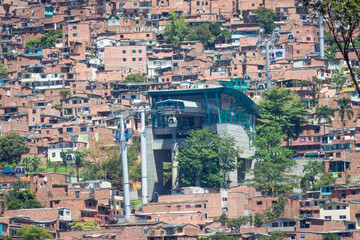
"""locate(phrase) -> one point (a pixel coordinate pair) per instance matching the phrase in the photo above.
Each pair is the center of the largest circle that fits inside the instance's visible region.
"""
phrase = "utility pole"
(124, 159)
(268, 64)
(144, 186)
(321, 34)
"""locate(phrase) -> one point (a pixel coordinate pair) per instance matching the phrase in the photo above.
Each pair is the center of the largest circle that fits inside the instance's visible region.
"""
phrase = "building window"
(275, 224)
(259, 203)
(53, 154)
(74, 34)
(197, 3)
(353, 192)
(308, 39)
(77, 194)
(69, 129)
(124, 51)
(328, 217)
(342, 216)
(74, 27)
(302, 236)
(124, 59)
(140, 59)
(133, 51)
(224, 199)
(83, 129)
(134, 59)
(329, 208)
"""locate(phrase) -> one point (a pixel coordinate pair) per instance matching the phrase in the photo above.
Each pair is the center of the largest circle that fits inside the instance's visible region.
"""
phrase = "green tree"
(276, 210)
(219, 236)
(345, 108)
(223, 217)
(48, 40)
(177, 29)
(331, 236)
(258, 219)
(65, 93)
(342, 20)
(28, 232)
(79, 161)
(63, 158)
(275, 235)
(269, 176)
(328, 38)
(33, 43)
(111, 168)
(339, 78)
(205, 157)
(326, 179)
(3, 71)
(324, 113)
(281, 106)
(205, 36)
(20, 198)
(30, 163)
(12, 147)
(315, 87)
(87, 225)
(266, 18)
(238, 222)
(135, 77)
(312, 169)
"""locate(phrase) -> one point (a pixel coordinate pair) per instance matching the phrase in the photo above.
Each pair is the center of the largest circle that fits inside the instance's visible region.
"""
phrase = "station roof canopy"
(250, 104)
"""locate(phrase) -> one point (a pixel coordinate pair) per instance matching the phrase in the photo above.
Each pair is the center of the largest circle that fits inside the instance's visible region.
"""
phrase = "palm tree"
(79, 161)
(339, 78)
(64, 93)
(324, 112)
(345, 108)
(63, 157)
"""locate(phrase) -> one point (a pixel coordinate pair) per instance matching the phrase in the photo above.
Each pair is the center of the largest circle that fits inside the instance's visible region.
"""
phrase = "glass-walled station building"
(176, 112)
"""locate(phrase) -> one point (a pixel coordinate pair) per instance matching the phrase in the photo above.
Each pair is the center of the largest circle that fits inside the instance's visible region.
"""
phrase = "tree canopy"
(19, 198)
(65, 93)
(205, 157)
(30, 163)
(282, 115)
(3, 71)
(178, 30)
(46, 41)
(331, 236)
(345, 108)
(342, 18)
(111, 168)
(266, 18)
(28, 232)
(312, 170)
(87, 225)
(135, 77)
(12, 146)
